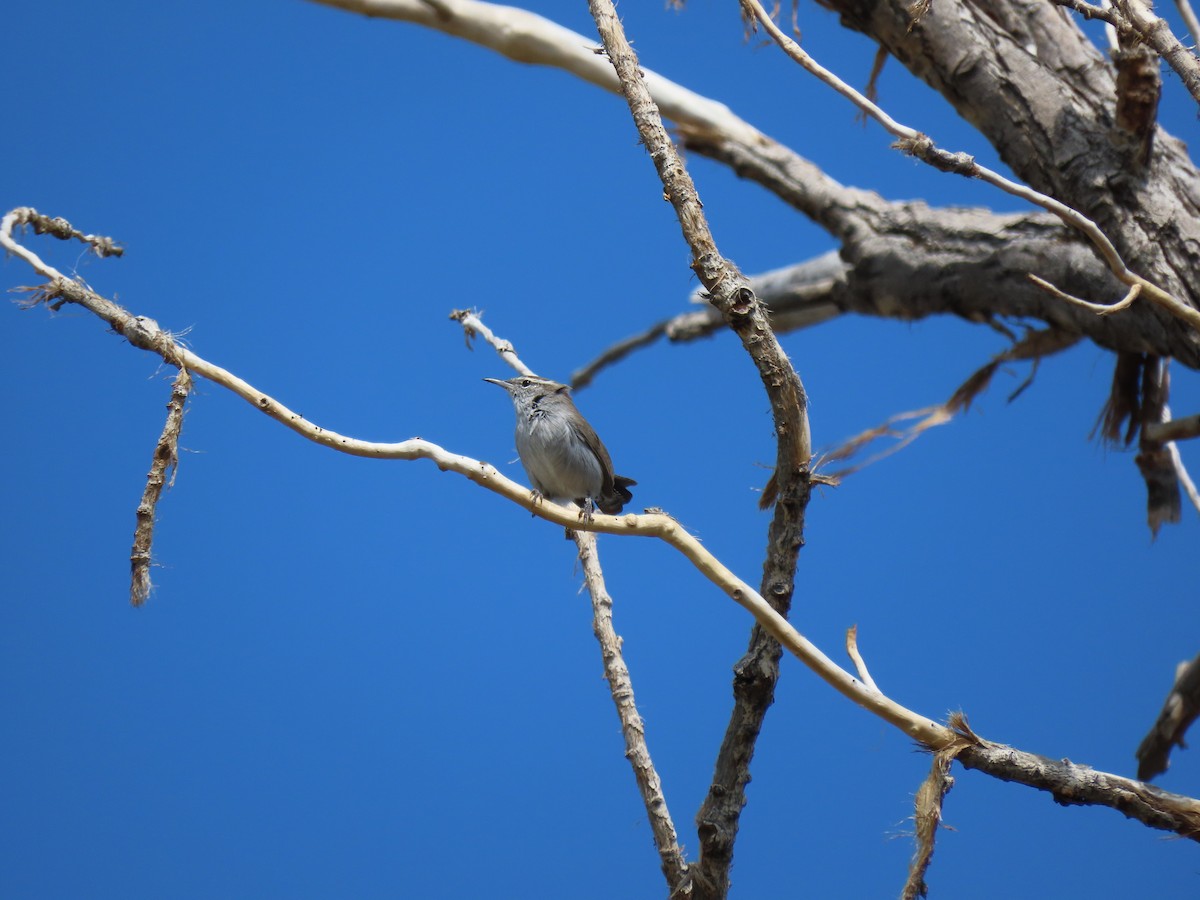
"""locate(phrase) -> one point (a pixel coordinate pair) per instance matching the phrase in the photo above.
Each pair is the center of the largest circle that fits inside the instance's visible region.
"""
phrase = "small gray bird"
(560, 451)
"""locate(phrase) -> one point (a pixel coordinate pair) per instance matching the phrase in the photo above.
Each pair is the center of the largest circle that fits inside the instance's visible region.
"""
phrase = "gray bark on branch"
(1044, 96)
(907, 260)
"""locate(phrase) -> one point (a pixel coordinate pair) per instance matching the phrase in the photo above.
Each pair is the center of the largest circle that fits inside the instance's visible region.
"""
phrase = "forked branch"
(1068, 782)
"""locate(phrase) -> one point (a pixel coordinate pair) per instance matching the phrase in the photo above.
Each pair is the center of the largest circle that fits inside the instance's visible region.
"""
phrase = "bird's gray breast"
(559, 464)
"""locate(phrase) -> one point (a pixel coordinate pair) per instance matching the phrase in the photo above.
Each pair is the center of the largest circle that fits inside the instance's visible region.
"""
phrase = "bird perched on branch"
(562, 454)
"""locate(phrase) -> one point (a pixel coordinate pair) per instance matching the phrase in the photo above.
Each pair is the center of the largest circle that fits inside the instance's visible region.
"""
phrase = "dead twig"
(1179, 710)
(165, 461)
(919, 145)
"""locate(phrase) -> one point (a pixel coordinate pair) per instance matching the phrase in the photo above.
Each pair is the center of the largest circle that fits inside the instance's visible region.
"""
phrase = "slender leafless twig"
(582, 377)
(1033, 347)
(860, 664)
(472, 325)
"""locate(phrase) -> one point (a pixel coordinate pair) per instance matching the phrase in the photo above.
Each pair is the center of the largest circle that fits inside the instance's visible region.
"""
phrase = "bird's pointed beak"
(503, 384)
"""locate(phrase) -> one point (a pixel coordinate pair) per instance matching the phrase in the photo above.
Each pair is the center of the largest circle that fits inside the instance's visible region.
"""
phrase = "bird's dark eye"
(525, 382)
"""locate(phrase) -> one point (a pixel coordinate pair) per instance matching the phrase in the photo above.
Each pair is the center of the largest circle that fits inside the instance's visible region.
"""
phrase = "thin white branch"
(472, 325)
(525, 37)
(1189, 19)
(1181, 472)
(860, 664)
(1100, 309)
(145, 333)
(666, 839)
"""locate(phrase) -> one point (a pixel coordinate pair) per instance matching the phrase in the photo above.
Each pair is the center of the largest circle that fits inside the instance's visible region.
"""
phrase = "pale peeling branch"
(1100, 309)
(55, 227)
(1069, 783)
(728, 289)
(1185, 480)
(906, 260)
(525, 37)
(487, 476)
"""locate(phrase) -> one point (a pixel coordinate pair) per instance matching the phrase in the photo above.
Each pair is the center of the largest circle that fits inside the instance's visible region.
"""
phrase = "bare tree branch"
(525, 37)
(582, 377)
(1156, 33)
(472, 325)
(860, 664)
(1178, 712)
(166, 458)
(1133, 19)
(1189, 19)
(1076, 784)
(1185, 480)
(144, 334)
(1174, 429)
(709, 127)
(909, 260)
(729, 292)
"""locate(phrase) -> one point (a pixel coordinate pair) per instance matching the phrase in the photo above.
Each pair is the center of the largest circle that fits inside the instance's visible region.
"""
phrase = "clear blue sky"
(368, 679)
